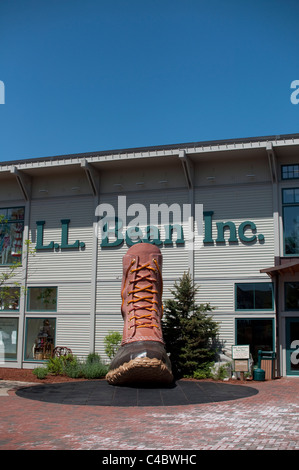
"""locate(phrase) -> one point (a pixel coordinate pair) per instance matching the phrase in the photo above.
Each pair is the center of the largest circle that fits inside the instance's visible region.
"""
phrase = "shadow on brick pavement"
(100, 393)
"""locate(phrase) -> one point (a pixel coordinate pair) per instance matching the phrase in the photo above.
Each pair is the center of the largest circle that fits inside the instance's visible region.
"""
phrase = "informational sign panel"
(241, 365)
(241, 351)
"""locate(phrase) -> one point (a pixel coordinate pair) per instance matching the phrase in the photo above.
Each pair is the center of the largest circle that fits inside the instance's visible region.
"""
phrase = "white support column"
(24, 182)
(93, 284)
(23, 293)
(189, 176)
(275, 198)
(93, 178)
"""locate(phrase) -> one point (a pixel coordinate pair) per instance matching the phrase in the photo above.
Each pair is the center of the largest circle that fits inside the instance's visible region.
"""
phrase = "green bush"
(93, 358)
(73, 370)
(93, 370)
(204, 371)
(222, 372)
(55, 365)
(58, 365)
(70, 366)
(112, 342)
(40, 372)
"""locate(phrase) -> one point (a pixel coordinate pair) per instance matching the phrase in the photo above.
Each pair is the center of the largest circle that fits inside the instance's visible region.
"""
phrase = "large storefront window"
(258, 333)
(42, 299)
(291, 295)
(254, 296)
(40, 338)
(9, 298)
(290, 200)
(11, 234)
(8, 339)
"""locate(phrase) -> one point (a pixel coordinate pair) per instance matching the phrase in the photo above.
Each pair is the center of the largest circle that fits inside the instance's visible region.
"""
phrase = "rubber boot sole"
(140, 370)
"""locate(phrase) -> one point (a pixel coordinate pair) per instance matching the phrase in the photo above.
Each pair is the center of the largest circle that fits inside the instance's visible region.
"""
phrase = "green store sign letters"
(246, 232)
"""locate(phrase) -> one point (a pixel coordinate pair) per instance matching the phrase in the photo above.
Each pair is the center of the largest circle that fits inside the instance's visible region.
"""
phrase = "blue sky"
(92, 75)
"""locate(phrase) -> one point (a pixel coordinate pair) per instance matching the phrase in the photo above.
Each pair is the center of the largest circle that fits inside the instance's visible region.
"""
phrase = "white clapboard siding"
(219, 294)
(105, 324)
(227, 260)
(74, 298)
(72, 331)
(55, 265)
(226, 332)
(108, 298)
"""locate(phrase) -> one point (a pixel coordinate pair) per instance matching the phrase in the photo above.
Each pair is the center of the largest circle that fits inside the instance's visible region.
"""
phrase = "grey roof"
(181, 146)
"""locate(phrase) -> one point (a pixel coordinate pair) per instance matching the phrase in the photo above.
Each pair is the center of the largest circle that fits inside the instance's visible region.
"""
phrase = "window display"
(8, 339)
(42, 298)
(11, 234)
(9, 298)
(40, 338)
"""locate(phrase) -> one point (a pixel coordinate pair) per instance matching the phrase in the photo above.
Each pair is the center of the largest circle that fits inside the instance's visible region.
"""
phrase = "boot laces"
(144, 320)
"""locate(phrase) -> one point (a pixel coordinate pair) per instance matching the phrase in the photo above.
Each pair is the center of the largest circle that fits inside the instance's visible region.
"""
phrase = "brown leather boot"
(141, 356)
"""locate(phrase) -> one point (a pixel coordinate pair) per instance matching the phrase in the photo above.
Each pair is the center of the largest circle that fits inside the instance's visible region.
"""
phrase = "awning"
(290, 267)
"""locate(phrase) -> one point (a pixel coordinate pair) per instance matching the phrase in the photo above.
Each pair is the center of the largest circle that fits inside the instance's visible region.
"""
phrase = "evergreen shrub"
(188, 330)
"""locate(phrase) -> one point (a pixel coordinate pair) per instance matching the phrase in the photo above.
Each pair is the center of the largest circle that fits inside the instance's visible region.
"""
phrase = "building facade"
(226, 211)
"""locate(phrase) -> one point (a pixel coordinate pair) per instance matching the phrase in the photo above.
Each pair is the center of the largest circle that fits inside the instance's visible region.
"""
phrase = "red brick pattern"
(268, 420)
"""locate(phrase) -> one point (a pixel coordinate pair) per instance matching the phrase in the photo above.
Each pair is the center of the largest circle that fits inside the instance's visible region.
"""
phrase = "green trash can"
(266, 361)
(258, 374)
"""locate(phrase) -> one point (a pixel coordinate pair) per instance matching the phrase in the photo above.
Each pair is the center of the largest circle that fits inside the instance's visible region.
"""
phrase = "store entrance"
(292, 346)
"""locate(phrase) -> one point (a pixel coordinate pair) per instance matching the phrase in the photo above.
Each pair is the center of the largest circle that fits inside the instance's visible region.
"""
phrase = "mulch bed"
(27, 375)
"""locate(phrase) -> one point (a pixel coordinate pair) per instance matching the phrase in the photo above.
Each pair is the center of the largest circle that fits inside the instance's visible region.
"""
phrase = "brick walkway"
(266, 420)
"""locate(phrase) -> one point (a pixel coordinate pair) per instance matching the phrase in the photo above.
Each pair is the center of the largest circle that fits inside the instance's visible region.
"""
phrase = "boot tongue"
(144, 283)
(144, 251)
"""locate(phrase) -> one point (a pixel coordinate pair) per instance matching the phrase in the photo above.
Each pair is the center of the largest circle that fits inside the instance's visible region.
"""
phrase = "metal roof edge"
(174, 148)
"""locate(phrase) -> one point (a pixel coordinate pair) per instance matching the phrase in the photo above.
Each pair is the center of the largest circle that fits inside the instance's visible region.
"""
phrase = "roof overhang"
(290, 267)
(191, 150)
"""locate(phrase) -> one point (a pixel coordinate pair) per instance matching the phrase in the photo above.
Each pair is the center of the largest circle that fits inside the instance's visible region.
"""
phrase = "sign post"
(241, 355)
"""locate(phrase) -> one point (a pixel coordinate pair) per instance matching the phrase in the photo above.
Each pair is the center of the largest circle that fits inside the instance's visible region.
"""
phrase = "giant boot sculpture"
(141, 356)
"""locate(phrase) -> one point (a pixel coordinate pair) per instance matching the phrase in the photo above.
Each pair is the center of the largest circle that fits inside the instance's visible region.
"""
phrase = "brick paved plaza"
(268, 419)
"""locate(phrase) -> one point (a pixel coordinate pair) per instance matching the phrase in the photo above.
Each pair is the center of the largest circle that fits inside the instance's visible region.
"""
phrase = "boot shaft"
(141, 293)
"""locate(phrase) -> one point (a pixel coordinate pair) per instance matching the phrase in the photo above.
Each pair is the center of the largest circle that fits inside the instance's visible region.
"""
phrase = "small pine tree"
(188, 329)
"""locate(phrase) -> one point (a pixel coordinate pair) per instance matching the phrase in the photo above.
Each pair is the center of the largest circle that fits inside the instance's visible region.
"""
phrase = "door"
(292, 346)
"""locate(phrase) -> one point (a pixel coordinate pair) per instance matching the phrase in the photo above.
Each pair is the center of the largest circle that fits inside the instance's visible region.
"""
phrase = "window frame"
(5, 360)
(288, 166)
(30, 310)
(285, 297)
(10, 310)
(251, 319)
(42, 318)
(8, 222)
(284, 206)
(254, 309)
